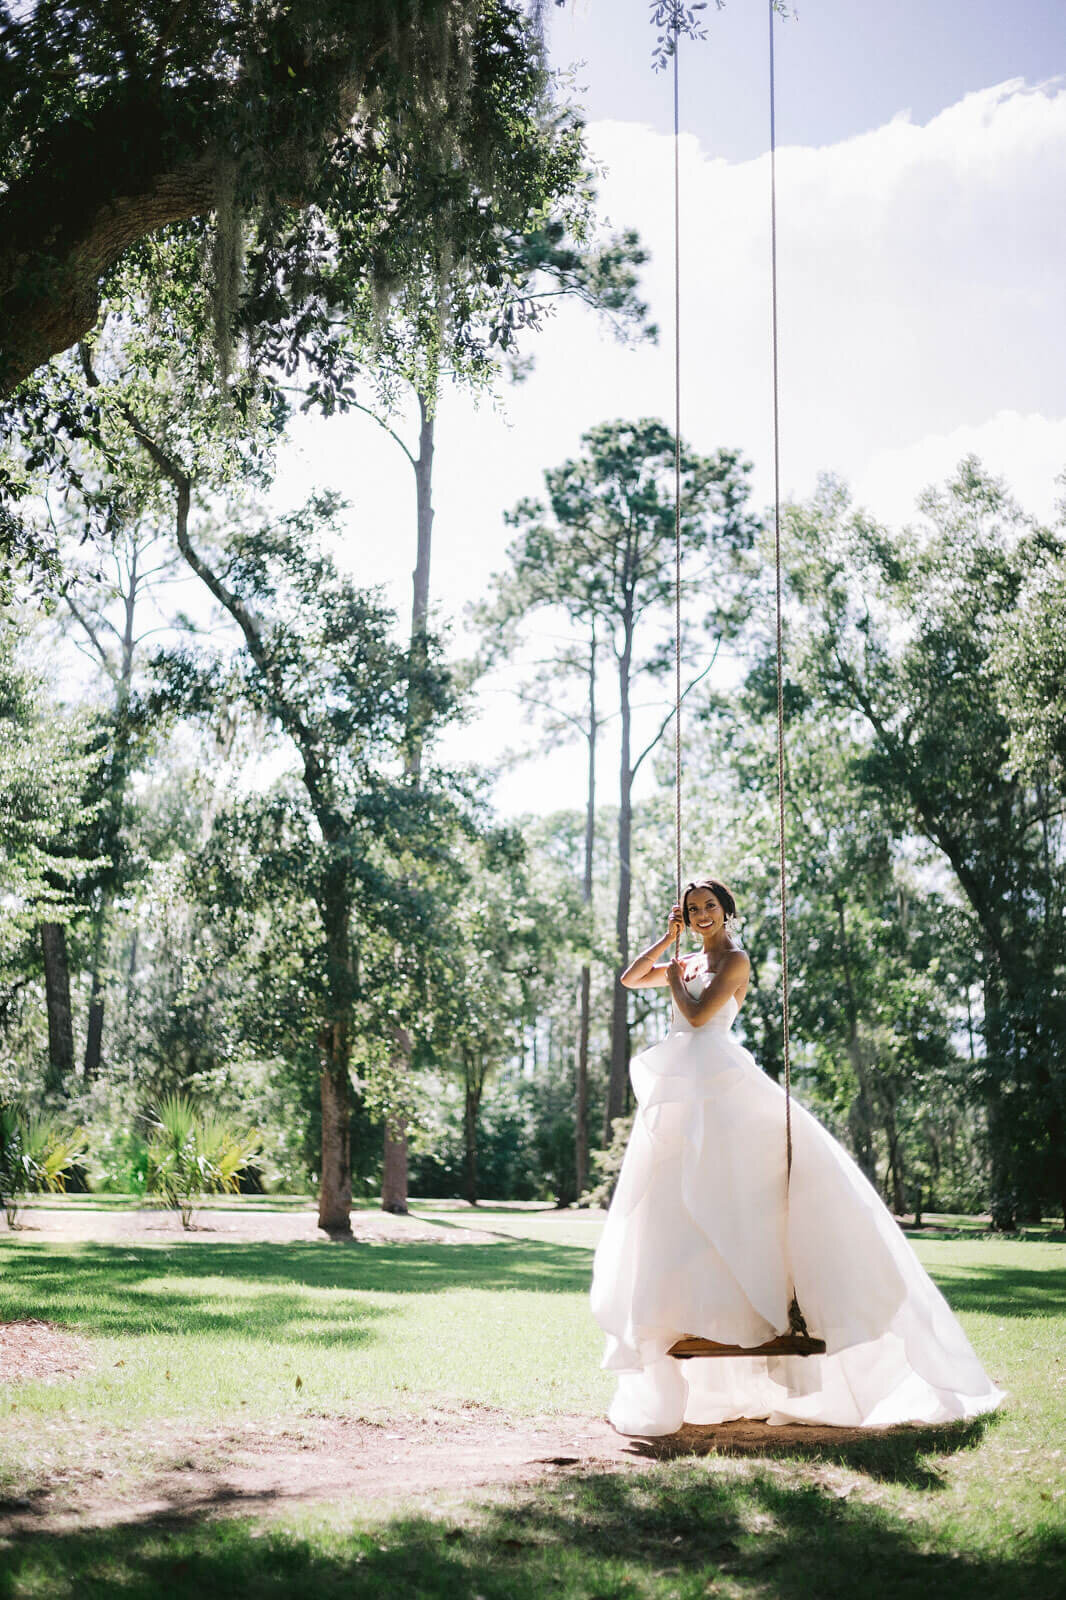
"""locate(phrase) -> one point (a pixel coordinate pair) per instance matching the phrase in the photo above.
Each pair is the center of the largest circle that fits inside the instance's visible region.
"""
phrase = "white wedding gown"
(698, 1241)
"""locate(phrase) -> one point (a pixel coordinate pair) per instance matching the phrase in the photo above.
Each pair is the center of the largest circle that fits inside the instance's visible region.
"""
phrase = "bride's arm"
(643, 972)
(719, 991)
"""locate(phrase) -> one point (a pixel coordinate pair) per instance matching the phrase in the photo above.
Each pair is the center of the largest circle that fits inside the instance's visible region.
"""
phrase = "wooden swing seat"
(783, 1344)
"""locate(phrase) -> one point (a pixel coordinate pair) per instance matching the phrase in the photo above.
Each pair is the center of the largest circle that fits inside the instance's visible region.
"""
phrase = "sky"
(922, 245)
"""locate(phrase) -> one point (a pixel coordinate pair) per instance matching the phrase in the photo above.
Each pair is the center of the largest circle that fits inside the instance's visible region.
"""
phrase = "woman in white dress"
(699, 1240)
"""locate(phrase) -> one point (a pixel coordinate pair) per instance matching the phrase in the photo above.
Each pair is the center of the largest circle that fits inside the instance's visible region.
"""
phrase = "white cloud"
(921, 317)
(1028, 451)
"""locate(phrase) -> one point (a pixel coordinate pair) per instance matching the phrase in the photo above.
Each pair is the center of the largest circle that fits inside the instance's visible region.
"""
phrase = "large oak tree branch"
(145, 158)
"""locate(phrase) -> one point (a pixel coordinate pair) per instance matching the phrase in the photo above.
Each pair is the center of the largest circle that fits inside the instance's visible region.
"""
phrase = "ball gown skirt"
(699, 1241)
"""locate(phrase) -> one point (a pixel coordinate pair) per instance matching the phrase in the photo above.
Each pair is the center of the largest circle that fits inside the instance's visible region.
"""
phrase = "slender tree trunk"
(394, 1176)
(895, 1164)
(1003, 1200)
(335, 1182)
(394, 1169)
(581, 1127)
(423, 468)
(616, 1086)
(57, 999)
(131, 969)
(94, 1031)
(861, 1111)
(581, 1106)
(118, 778)
(471, 1106)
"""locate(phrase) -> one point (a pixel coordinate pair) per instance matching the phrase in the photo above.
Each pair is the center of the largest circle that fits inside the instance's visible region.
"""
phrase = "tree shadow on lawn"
(124, 1290)
(906, 1455)
(121, 1289)
(681, 1529)
(1004, 1291)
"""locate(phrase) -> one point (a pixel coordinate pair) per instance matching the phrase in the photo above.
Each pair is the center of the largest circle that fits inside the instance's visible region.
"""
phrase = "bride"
(699, 1240)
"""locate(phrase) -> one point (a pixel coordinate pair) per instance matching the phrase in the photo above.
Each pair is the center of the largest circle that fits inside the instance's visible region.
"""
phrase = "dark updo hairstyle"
(721, 892)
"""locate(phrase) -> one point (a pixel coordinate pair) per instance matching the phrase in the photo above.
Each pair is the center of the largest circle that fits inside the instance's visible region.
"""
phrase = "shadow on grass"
(682, 1530)
(254, 1289)
(1004, 1291)
(125, 1290)
(891, 1455)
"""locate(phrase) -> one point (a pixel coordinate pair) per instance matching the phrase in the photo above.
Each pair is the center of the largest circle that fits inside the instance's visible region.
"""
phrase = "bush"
(118, 1160)
(37, 1155)
(191, 1155)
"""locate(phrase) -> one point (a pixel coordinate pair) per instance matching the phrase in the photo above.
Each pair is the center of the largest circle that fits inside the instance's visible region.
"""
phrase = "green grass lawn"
(202, 1334)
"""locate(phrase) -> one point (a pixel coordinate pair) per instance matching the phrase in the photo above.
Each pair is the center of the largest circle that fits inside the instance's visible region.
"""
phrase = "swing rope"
(796, 1321)
(798, 1340)
(677, 484)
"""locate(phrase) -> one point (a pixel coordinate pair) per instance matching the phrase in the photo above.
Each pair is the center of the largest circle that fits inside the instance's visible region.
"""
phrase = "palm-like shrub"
(191, 1155)
(37, 1156)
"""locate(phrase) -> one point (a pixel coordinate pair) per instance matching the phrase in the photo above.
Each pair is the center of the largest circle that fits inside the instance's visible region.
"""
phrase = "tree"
(876, 982)
(273, 120)
(554, 261)
(45, 760)
(319, 664)
(492, 953)
(1030, 667)
(106, 598)
(904, 634)
(602, 549)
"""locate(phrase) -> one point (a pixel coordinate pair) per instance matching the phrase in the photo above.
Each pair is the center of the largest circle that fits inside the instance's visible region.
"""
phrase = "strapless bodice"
(695, 983)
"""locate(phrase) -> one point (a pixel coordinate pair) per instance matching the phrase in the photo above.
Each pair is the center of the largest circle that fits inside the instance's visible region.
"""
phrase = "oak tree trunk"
(335, 1180)
(335, 1183)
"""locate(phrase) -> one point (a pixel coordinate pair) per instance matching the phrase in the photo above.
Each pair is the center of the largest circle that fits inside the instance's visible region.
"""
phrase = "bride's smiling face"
(705, 913)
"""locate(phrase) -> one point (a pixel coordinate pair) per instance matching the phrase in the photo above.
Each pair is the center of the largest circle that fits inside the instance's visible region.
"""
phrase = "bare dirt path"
(438, 1458)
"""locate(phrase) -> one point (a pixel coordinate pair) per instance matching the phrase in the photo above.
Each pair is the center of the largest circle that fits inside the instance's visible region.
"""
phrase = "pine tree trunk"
(581, 1105)
(616, 1086)
(57, 1000)
(1003, 1199)
(470, 1111)
(394, 1185)
(895, 1166)
(94, 1032)
(420, 577)
(860, 1112)
(581, 1098)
